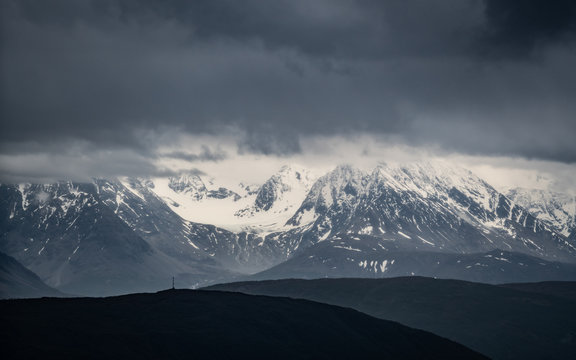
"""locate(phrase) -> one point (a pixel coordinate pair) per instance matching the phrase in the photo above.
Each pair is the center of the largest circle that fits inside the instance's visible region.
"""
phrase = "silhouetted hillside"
(178, 324)
(500, 322)
(563, 289)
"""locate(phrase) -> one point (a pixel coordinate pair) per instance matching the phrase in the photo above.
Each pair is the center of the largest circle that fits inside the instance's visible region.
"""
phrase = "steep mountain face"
(284, 188)
(151, 219)
(64, 234)
(135, 202)
(106, 238)
(330, 202)
(435, 207)
(555, 209)
(17, 282)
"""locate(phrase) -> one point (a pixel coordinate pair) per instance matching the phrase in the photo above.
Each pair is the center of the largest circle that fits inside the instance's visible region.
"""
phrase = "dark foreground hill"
(523, 321)
(18, 282)
(178, 324)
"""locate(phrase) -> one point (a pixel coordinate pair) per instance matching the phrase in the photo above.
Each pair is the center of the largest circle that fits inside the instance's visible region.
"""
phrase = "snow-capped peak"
(286, 186)
(435, 179)
(556, 209)
(189, 184)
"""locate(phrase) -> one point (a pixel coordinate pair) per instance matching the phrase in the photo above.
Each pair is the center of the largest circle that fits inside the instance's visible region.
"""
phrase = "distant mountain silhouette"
(563, 289)
(516, 321)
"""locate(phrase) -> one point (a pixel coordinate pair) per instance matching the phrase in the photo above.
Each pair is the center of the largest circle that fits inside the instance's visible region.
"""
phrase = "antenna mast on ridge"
(172, 282)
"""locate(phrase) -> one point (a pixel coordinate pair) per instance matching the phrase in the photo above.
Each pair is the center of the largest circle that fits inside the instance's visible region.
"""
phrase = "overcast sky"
(111, 87)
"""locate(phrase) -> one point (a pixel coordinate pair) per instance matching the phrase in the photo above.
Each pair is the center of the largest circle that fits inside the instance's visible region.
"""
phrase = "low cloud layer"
(477, 77)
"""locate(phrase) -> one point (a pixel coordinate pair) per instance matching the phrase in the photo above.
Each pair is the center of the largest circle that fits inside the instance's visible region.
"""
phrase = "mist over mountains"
(423, 218)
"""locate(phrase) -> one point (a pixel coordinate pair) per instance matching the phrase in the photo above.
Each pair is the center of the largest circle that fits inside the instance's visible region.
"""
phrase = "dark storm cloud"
(347, 29)
(269, 143)
(517, 27)
(486, 77)
(205, 155)
(51, 167)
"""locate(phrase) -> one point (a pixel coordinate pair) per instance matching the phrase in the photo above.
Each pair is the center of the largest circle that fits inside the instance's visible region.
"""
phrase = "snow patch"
(406, 236)
(347, 248)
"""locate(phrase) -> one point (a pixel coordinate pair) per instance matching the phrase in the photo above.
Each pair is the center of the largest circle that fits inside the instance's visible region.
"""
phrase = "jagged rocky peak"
(189, 184)
(456, 187)
(199, 188)
(290, 179)
(60, 194)
(223, 193)
(344, 180)
(340, 186)
(55, 189)
(440, 180)
(249, 189)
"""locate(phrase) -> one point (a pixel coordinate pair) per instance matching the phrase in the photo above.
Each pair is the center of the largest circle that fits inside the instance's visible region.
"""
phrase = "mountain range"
(113, 236)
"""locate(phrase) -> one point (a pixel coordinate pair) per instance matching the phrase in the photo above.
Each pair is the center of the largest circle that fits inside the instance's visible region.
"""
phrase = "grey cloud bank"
(492, 77)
